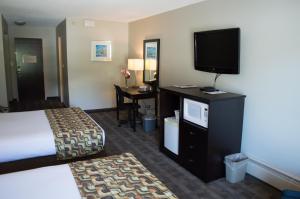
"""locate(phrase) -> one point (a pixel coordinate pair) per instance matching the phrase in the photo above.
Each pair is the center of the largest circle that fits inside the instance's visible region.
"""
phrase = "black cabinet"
(202, 150)
(193, 148)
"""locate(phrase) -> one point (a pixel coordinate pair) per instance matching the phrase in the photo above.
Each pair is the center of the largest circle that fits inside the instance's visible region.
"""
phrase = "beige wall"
(91, 83)
(48, 36)
(270, 52)
(3, 88)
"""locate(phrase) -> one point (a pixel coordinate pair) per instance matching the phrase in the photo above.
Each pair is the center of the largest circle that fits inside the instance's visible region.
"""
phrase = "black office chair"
(121, 105)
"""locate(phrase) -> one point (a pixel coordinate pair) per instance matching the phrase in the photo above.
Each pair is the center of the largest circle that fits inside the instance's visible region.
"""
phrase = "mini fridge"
(171, 134)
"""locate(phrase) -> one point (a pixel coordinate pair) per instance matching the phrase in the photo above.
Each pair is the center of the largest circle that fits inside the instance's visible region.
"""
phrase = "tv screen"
(217, 51)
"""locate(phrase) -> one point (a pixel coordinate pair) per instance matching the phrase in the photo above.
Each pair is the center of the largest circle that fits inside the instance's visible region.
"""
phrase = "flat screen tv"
(217, 51)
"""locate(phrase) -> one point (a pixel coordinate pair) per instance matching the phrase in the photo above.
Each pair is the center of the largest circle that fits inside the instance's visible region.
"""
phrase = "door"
(30, 74)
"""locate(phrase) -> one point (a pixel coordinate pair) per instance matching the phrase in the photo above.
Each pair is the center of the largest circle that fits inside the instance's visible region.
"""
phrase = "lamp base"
(126, 83)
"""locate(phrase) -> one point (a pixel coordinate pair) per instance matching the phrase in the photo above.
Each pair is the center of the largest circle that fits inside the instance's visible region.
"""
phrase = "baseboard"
(100, 110)
(274, 177)
(53, 98)
(4, 109)
(13, 100)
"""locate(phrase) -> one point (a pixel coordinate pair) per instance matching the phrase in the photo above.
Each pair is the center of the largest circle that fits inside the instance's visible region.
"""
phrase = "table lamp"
(135, 65)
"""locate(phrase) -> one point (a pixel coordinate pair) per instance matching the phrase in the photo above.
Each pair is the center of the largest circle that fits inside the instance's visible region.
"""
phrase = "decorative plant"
(125, 72)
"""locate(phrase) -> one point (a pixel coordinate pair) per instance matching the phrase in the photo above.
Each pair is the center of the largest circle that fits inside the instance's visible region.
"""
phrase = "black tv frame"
(218, 70)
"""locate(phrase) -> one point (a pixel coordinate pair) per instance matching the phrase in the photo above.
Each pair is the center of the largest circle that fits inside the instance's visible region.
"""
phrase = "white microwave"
(195, 112)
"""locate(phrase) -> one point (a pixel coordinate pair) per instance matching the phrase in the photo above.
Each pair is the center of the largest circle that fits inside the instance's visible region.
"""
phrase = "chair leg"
(129, 118)
(118, 114)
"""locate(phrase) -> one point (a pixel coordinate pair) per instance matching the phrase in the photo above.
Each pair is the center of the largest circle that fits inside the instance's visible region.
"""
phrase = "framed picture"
(101, 51)
(151, 61)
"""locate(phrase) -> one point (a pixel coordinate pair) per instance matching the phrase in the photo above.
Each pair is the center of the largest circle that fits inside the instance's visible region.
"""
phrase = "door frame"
(62, 64)
(60, 69)
(42, 63)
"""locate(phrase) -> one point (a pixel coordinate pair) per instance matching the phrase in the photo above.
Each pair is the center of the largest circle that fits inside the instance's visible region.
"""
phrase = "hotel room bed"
(119, 176)
(67, 133)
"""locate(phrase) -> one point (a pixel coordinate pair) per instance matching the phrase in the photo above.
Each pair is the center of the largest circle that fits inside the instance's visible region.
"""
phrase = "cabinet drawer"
(189, 151)
(192, 135)
(193, 166)
(193, 148)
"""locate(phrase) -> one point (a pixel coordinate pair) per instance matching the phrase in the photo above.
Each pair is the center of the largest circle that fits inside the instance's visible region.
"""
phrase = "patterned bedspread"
(116, 177)
(75, 133)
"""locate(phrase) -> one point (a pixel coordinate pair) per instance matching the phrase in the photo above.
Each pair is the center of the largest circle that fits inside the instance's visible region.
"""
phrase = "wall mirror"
(151, 61)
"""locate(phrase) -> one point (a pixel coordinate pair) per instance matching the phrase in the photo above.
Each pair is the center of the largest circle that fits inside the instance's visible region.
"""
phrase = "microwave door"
(196, 112)
(192, 111)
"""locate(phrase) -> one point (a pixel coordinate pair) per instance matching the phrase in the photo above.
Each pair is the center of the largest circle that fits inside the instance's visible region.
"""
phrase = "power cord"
(216, 77)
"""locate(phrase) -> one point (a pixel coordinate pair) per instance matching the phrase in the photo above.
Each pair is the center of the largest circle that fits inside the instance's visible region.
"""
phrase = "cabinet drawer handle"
(191, 147)
(191, 160)
(192, 133)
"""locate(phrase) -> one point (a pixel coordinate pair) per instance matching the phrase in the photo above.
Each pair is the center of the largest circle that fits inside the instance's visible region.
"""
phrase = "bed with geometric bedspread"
(114, 177)
(67, 133)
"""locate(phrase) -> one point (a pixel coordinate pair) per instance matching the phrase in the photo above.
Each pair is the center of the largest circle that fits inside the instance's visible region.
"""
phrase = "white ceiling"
(51, 12)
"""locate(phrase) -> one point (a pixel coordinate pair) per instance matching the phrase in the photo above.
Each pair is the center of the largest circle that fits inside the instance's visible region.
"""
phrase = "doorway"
(30, 73)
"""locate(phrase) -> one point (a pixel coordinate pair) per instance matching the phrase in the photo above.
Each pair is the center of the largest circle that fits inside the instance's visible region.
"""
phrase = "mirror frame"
(156, 82)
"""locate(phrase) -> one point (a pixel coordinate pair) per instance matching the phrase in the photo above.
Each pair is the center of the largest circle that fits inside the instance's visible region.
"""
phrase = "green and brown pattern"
(75, 133)
(116, 177)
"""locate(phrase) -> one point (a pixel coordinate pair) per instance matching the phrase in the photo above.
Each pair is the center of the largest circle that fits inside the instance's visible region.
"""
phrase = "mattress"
(120, 176)
(25, 135)
(47, 183)
(34, 134)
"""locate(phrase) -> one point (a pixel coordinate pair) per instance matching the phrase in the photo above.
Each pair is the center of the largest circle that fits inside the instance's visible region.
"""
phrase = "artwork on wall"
(151, 61)
(101, 51)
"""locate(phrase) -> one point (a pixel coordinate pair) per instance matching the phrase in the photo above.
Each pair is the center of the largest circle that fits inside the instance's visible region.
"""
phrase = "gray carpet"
(185, 185)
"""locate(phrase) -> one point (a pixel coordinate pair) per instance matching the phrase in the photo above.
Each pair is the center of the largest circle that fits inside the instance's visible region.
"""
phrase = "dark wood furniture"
(202, 150)
(32, 163)
(122, 105)
(135, 95)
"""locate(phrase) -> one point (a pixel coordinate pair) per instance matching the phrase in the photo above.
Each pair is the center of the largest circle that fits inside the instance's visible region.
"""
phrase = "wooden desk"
(134, 94)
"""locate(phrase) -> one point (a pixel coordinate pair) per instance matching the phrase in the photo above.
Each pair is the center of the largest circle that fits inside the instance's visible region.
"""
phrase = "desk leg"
(156, 109)
(134, 115)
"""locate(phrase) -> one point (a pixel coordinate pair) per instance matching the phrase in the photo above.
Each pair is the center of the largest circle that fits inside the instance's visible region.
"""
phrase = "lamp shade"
(135, 64)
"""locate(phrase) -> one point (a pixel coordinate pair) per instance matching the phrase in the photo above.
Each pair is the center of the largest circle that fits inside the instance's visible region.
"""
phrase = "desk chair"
(121, 105)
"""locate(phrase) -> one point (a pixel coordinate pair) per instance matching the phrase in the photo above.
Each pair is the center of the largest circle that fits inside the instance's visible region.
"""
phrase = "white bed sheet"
(55, 182)
(25, 135)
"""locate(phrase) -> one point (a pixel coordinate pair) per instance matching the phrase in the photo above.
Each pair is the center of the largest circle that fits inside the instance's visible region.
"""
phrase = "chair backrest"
(119, 95)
